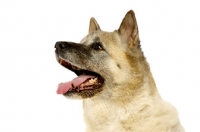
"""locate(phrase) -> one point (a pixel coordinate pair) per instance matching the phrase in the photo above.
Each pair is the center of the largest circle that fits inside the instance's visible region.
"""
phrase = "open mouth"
(86, 80)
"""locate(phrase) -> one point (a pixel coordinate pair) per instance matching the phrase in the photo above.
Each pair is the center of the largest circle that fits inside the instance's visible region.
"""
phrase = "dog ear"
(93, 25)
(129, 29)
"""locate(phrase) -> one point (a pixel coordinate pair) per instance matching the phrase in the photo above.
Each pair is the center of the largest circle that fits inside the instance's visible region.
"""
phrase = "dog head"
(105, 62)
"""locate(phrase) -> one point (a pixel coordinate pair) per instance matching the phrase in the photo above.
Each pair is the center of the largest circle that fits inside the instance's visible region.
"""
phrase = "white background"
(29, 74)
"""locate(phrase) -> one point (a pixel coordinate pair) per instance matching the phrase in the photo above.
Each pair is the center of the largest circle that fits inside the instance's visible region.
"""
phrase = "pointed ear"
(93, 25)
(129, 29)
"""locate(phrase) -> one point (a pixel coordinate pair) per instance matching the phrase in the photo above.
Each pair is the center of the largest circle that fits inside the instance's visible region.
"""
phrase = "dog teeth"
(93, 80)
(70, 88)
(60, 61)
(75, 68)
(89, 82)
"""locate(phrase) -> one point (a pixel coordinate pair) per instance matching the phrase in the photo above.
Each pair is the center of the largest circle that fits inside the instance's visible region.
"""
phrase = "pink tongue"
(64, 87)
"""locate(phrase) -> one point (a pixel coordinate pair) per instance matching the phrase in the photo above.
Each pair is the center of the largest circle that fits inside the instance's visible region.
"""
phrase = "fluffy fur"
(128, 101)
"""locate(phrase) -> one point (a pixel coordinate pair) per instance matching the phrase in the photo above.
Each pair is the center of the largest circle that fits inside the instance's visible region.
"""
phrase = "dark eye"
(97, 46)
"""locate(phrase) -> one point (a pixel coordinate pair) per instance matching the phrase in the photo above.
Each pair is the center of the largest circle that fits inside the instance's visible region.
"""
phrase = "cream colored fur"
(124, 97)
(133, 106)
(143, 113)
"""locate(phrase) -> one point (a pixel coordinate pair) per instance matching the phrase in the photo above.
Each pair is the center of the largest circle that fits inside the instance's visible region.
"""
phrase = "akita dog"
(115, 82)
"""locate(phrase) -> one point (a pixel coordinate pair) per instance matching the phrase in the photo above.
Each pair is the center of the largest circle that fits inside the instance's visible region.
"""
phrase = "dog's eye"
(97, 46)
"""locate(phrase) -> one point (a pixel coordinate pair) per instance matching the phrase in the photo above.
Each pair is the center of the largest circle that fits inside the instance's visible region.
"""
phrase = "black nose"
(61, 45)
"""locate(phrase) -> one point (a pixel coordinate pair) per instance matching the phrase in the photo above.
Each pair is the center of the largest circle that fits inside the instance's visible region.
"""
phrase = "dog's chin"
(86, 85)
(83, 94)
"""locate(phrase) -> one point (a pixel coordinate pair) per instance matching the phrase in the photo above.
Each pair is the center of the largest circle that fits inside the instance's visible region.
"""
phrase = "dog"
(115, 82)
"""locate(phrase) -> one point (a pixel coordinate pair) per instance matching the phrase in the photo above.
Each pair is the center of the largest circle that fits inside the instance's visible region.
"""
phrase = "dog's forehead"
(90, 38)
(99, 36)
